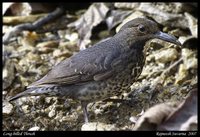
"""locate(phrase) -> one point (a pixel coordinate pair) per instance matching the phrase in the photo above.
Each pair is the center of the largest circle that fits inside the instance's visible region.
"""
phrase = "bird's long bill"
(167, 37)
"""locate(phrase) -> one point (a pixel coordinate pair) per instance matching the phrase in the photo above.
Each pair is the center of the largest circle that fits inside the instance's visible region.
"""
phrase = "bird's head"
(142, 30)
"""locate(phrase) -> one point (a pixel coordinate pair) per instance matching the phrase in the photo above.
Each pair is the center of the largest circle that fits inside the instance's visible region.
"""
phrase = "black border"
(101, 134)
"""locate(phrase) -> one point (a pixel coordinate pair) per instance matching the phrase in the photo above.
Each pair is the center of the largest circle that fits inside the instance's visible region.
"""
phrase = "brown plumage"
(106, 69)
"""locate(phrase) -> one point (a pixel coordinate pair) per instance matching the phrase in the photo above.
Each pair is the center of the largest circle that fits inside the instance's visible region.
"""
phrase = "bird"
(106, 69)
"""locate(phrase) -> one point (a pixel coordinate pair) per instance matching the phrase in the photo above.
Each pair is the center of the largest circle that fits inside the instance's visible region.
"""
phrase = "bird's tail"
(35, 92)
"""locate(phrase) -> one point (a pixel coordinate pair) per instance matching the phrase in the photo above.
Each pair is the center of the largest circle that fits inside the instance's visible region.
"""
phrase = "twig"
(28, 26)
(14, 20)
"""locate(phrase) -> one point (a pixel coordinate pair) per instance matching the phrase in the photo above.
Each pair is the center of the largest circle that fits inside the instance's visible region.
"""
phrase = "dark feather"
(87, 65)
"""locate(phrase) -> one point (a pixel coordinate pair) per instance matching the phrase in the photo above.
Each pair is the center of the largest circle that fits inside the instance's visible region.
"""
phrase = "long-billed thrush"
(106, 69)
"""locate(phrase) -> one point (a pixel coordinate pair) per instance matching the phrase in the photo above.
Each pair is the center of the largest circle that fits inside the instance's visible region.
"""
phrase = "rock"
(28, 40)
(152, 70)
(49, 99)
(58, 53)
(25, 108)
(163, 17)
(4, 92)
(22, 100)
(189, 59)
(178, 32)
(6, 28)
(47, 47)
(71, 46)
(28, 61)
(187, 53)
(98, 111)
(36, 128)
(127, 5)
(8, 73)
(96, 126)
(182, 74)
(72, 37)
(25, 48)
(23, 62)
(166, 55)
(52, 113)
(34, 58)
(192, 23)
(191, 63)
(133, 119)
(7, 108)
(48, 44)
(45, 50)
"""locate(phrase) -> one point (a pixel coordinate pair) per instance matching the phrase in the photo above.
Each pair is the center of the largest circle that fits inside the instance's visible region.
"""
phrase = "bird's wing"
(86, 65)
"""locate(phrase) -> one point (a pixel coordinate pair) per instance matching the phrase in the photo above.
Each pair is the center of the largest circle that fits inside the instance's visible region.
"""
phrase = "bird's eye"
(141, 28)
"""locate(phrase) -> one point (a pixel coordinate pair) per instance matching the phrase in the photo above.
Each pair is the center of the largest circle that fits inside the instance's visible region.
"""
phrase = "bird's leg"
(84, 107)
